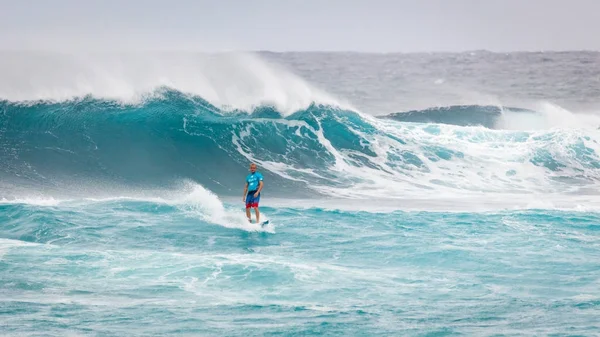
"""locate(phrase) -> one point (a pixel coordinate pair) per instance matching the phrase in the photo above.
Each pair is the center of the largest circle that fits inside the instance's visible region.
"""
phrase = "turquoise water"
(134, 267)
(447, 213)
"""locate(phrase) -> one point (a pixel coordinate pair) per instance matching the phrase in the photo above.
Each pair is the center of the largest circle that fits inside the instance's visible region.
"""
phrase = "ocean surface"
(407, 194)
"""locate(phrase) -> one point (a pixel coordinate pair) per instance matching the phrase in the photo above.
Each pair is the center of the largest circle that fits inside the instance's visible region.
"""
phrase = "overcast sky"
(301, 25)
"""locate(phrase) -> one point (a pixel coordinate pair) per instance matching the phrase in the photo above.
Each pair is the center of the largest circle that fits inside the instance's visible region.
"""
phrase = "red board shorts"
(251, 201)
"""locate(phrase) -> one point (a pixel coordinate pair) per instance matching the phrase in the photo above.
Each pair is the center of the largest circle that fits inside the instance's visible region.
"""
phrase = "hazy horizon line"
(267, 51)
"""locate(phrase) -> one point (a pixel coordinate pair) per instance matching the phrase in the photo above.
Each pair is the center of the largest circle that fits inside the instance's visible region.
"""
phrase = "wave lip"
(228, 81)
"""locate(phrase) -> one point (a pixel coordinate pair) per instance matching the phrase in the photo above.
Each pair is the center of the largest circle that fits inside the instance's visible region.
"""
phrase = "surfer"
(254, 184)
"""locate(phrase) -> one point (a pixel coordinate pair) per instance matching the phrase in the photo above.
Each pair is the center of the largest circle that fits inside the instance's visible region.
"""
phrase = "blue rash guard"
(253, 179)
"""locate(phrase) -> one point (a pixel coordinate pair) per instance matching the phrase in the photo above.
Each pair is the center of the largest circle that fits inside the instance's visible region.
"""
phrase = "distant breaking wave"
(461, 115)
(547, 116)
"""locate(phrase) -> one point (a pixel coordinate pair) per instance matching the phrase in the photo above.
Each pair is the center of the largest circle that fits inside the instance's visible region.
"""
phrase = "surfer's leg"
(257, 214)
(248, 214)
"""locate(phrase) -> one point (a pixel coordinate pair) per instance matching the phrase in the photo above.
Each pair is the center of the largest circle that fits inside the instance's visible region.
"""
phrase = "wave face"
(321, 149)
